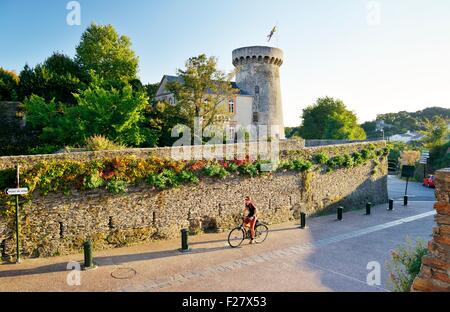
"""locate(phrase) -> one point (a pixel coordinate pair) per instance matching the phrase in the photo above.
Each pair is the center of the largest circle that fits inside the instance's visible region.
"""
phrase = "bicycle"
(241, 233)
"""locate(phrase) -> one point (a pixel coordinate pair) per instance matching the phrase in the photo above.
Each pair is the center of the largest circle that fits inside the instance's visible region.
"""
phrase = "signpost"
(17, 192)
(425, 155)
(407, 172)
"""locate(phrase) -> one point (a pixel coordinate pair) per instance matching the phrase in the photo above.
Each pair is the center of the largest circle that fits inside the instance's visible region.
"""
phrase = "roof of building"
(170, 78)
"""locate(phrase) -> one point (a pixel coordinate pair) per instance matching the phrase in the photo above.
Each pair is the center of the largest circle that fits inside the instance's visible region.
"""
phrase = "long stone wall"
(58, 224)
(435, 271)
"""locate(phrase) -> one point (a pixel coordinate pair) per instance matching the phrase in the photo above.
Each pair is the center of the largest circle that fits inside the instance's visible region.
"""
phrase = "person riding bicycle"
(251, 218)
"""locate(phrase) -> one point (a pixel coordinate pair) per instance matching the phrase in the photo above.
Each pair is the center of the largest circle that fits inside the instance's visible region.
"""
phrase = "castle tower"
(258, 74)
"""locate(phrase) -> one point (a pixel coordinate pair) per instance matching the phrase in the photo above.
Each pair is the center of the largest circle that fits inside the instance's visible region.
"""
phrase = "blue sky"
(332, 48)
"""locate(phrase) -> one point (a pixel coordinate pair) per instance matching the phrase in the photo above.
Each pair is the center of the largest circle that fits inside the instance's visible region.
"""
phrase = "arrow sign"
(17, 191)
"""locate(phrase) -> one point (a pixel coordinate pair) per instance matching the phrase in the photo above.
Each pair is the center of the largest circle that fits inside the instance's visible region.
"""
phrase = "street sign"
(424, 161)
(17, 191)
(408, 171)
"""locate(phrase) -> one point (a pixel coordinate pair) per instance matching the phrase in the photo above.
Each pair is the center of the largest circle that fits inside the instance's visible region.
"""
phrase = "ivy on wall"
(116, 174)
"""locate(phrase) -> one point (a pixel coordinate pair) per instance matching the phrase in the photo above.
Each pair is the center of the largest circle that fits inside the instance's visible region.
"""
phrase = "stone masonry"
(58, 224)
(434, 275)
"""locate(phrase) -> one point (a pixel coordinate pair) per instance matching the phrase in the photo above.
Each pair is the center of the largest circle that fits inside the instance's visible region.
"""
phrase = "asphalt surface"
(326, 256)
(416, 191)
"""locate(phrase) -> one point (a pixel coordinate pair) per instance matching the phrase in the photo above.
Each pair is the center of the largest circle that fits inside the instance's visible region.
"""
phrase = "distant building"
(407, 137)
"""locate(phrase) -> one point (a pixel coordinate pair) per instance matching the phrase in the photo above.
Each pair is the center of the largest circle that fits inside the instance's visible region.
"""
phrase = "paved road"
(416, 191)
(327, 256)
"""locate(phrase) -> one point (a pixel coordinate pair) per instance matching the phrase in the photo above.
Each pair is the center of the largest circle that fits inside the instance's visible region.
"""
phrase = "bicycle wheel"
(236, 237)
(261, 232)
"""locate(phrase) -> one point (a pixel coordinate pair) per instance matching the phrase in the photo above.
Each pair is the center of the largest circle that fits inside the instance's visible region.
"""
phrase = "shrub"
(357, 158)
(348, 161)
(367, 154)
(405, 265)
(93, 181)
(116, 186)
(321, 159)
(232, 167)
(215, 170)
(166, 179)
(187, 177)
(101, 143)
(301, 165)
(336, 162)
(249, 169)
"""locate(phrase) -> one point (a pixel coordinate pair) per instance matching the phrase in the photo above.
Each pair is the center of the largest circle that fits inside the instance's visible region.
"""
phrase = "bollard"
(368, 208)
(391, 204)
(184, 241)
(405, 201)
(302, 220)
(340, 212)
(88, 262)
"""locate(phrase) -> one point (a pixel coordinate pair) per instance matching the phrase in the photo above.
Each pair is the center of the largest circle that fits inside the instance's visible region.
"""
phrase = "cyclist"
(252, 216)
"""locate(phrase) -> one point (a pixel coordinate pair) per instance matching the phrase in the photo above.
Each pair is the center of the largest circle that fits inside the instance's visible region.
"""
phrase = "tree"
(329, 119)
(203, 93)
(436, 132)
(9, 82)
(115, 114)
(102, 50)
(151, 89)
(58, 78)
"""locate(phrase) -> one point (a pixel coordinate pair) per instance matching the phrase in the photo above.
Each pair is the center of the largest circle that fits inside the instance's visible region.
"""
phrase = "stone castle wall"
(435, 271)
(58, 224)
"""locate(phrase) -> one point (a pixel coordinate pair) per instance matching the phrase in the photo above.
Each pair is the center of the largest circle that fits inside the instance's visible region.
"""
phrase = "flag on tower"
(274, 30)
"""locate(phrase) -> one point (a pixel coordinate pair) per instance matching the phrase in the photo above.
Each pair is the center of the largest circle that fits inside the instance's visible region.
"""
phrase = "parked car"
(429, 182)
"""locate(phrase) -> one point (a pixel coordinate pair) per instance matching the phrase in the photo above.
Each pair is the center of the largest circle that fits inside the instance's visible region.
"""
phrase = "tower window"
(257, 90)
(231, 107)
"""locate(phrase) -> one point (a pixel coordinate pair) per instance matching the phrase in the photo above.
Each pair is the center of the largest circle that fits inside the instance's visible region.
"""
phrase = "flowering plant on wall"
(116, 174)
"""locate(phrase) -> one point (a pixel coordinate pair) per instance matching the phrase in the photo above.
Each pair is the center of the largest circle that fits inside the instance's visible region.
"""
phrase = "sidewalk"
(327, 256)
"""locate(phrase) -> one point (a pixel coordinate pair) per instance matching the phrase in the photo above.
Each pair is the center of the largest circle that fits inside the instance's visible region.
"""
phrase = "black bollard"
(340, 212)
(88, 262)
(405, 201)
(391, 204)
(184, 241)
(302, 220)
(368, 208)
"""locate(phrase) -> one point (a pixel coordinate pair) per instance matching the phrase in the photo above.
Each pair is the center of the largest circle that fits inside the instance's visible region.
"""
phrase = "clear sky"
(396, 60)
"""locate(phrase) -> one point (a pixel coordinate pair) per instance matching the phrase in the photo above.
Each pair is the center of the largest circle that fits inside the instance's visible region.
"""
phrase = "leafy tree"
(151, 89)
(402, 122)
(116, 114)
(58, 78)
(204, 92)
(162, 118)
(102, 49)
(329, 119)
(436, 132)
(9, 82)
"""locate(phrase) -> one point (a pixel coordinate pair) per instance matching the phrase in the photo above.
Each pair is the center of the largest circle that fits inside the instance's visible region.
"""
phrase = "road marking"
(238, 264)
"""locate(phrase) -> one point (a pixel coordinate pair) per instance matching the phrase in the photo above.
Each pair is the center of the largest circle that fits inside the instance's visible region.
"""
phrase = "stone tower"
(258, 74)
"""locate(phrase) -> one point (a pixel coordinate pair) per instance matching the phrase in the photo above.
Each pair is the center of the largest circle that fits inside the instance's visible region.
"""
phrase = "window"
(257, 90)
(231, 107)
